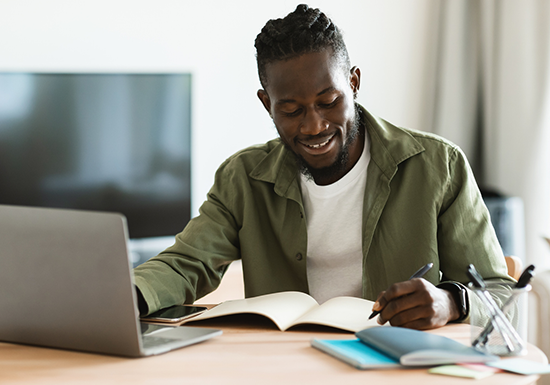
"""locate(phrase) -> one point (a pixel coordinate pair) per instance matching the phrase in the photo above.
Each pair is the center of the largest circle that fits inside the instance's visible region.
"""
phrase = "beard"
(342, 159)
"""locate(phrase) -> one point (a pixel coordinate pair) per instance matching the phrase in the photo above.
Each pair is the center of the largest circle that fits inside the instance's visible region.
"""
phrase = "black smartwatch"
(460, 296)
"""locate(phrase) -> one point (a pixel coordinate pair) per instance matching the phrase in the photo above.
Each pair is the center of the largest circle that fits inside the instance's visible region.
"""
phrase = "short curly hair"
(305, 30)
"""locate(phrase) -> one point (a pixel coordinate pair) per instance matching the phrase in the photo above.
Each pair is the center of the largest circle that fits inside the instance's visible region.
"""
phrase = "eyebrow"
(326, 90)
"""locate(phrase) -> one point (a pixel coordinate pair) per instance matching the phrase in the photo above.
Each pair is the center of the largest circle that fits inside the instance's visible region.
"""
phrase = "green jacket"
(421, 205)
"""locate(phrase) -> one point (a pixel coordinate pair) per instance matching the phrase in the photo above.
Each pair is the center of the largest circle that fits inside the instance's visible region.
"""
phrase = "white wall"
(215, 41)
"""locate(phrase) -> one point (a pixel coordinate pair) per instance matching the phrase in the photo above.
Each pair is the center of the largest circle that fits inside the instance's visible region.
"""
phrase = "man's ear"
(355, 79)
(264, 98)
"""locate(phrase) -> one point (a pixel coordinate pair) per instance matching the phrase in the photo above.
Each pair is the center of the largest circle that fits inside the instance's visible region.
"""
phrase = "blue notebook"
(355, 353)
(418, 348)
(390, 346)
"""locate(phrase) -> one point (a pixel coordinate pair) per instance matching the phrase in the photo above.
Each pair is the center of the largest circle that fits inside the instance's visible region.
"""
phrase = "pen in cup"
(523, 281)
(498, 319)
(419, 274)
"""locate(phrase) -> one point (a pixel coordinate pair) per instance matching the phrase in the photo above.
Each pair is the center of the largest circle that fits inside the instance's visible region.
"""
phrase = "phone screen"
(175, 313)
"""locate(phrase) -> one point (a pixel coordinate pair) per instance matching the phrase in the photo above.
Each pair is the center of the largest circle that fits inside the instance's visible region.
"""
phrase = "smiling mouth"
(318, 145)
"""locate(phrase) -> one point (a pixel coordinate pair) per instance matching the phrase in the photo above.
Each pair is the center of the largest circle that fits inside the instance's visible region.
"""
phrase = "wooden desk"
(257, 353)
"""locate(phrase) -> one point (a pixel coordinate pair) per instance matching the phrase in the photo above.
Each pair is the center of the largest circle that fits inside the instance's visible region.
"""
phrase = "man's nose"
(313, 123)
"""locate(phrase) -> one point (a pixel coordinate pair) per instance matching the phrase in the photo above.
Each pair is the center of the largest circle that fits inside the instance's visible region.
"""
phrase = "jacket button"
(299, 256)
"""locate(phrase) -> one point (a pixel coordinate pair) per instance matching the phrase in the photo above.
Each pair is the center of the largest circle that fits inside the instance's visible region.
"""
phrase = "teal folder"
(355, 353)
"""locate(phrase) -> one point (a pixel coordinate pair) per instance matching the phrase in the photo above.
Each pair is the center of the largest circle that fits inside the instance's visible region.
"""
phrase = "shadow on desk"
(251, 322)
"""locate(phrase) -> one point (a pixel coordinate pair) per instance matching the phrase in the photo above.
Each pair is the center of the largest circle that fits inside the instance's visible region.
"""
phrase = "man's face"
(311, 101)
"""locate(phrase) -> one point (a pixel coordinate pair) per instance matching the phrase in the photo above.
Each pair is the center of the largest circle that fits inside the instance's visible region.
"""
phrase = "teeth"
(318, 145)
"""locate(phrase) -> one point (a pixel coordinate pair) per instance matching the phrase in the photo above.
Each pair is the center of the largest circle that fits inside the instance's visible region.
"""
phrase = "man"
(343, 203)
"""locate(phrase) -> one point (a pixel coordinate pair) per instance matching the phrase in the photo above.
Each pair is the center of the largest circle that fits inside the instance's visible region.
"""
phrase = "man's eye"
(328, 105)
(293, 113)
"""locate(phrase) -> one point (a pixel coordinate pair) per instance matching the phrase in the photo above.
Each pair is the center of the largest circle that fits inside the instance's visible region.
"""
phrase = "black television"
(105, 142)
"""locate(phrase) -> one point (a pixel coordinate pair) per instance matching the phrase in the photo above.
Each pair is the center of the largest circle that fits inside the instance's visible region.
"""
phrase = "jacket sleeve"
(466, 235)
(195, 264)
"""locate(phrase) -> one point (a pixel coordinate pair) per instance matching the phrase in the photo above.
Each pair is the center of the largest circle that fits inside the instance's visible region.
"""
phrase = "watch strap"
(460, 296)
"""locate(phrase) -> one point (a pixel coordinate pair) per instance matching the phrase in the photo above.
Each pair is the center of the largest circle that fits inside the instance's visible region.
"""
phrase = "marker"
(526, 276)
(419, 274)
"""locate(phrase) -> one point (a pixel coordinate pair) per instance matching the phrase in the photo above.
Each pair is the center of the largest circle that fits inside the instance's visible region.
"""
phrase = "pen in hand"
(419, 274)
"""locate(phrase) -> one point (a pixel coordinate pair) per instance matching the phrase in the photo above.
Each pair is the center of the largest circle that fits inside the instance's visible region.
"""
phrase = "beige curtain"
(491, 96)
(489, 74)
(455, 100)
(516, 98)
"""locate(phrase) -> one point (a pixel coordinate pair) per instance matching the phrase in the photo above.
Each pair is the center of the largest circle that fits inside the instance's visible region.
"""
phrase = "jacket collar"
(279, 167)
(389, 146)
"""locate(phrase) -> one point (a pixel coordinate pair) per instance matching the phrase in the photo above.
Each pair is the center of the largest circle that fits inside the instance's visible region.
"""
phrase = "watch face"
(463, 301)
(460, 296)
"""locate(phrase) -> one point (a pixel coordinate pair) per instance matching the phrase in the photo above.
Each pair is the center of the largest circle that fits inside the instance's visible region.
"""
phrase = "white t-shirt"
(334, 217)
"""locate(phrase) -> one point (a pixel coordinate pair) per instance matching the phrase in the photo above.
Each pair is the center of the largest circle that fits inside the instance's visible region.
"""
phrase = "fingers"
(395, 292)
(417, 317)
(414, 304)
(380, 302)
(419, 324)
(406, 308)
(401, 289)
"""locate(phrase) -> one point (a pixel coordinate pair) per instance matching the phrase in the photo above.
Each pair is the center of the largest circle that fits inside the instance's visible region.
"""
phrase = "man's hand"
(416, 304)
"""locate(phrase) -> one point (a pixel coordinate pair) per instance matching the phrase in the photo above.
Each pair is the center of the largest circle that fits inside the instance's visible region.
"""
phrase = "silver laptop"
(66, 282)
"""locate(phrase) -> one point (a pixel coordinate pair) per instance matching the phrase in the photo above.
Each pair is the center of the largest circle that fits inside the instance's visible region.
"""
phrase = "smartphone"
(176, 313)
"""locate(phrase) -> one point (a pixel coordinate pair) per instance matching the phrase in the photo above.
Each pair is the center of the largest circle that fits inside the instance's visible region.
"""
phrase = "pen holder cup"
(496, 323)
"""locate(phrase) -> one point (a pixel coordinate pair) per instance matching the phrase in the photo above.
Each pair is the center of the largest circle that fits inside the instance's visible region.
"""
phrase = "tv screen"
(106, 142)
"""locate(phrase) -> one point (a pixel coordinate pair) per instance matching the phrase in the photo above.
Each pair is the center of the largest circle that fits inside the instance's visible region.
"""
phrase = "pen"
(419, 274)
(499, 320)
(523, 281)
